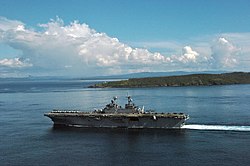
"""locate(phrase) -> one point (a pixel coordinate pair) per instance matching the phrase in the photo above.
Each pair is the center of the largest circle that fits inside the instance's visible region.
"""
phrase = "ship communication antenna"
(115, 98)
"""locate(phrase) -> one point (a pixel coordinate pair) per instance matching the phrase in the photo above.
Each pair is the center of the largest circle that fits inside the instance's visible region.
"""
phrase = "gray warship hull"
(120, 120)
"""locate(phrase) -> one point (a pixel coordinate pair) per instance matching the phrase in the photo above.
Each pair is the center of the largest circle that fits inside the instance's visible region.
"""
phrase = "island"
(183, 80)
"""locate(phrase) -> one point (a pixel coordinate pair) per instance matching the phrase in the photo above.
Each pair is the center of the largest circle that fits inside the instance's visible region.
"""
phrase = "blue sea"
(217, 133)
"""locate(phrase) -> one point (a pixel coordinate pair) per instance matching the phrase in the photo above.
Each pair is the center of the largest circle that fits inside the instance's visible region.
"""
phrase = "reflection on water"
(126, 146)
(132, 131)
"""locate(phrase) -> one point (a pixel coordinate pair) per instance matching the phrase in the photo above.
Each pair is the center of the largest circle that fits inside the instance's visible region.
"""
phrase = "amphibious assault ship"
(115, 116)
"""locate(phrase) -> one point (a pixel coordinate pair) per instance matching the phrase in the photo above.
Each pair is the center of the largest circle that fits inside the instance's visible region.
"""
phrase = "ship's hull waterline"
(167, 121)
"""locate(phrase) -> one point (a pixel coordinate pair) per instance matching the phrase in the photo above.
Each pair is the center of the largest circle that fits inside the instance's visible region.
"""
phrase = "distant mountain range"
(121, 76)
(152, 74)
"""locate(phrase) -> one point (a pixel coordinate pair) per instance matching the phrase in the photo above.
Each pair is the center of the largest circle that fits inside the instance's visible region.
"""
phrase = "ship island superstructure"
(115, 116)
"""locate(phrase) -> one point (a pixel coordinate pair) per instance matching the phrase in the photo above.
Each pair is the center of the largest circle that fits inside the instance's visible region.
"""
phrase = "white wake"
(216, 127)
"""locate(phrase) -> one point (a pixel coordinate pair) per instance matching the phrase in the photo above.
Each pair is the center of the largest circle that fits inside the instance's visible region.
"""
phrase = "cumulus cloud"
(15, 63)
(79, 50)
(224, 53)
(189, 55)
(6, 24)
(76, 45)
(189, 59)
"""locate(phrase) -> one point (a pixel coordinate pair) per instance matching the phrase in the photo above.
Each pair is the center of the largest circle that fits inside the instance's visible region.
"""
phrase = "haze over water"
(217, 133)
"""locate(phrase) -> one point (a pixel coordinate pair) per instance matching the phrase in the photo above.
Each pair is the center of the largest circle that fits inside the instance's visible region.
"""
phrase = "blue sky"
(153, 35)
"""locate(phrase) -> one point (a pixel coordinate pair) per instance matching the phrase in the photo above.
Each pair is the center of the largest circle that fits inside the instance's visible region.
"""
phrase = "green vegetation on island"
(184, 80)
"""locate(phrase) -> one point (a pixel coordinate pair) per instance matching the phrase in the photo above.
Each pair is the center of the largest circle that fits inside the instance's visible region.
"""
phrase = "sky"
(108, 37)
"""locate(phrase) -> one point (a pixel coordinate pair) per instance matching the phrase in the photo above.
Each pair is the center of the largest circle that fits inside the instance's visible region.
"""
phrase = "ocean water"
(217, 133)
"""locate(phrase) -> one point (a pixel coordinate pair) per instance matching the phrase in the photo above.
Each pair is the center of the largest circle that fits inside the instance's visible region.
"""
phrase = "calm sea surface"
(217, 133)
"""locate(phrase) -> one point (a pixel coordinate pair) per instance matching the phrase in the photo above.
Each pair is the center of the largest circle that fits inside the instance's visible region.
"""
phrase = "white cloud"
(188, 55)
(224, 53)
(6, 24)
(230, 52)
(190, 59)
(74, 45)
(223, 41)
(15, 63)
(79, 50)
